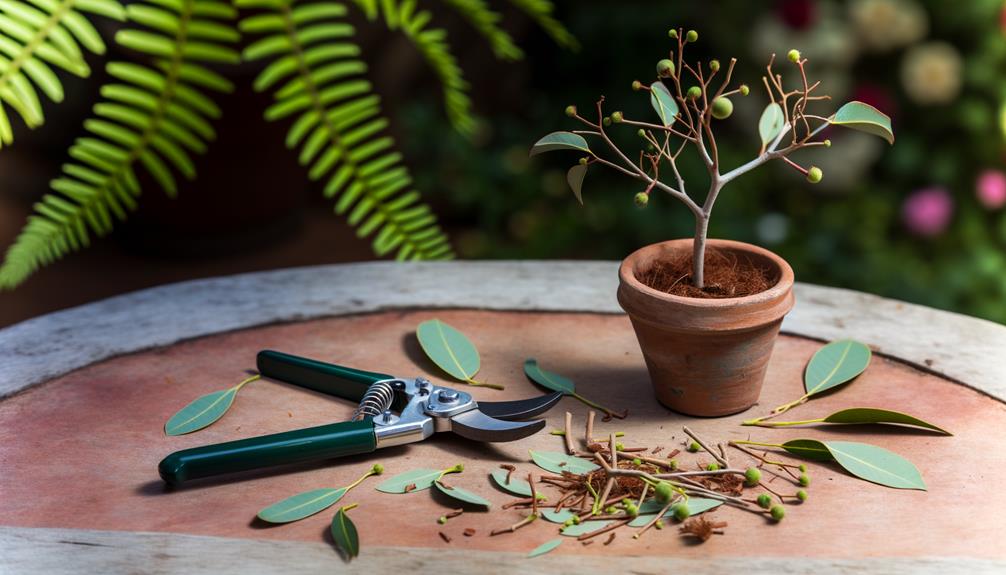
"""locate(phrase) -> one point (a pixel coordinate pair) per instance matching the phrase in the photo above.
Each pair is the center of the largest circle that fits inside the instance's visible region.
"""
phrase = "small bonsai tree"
(686, 116)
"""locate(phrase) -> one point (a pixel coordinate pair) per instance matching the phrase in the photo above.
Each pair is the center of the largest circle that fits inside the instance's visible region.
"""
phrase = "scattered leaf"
(547, 379)
(560, 141)
(865, 461)
(420, 478)
(451, 351)
(696, 505)
(559, 462)
(516, 486)
(574, 177)
(344, 534)
(301, 505)
(874, 415)
(204, 411)
(663, 102)
(834, 364)
(808, 448)
(545, 547)
(584, 527)
(865, 118)
(771, 123)
(555, 516)
(463, 495)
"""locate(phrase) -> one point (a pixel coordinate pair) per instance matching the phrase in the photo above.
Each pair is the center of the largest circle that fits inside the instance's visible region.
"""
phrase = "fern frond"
(153, 115)
(486, 21)
(317, 78)
(541, 12)
(432, 44)
(38, 34)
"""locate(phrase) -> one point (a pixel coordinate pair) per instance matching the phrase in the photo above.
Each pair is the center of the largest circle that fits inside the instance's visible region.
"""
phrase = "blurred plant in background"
(925, 225)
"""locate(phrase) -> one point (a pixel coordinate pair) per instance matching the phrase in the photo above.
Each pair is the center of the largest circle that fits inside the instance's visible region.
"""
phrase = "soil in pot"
(726, 275)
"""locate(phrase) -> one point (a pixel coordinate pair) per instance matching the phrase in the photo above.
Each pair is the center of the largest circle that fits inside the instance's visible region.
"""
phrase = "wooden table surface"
(86, 392)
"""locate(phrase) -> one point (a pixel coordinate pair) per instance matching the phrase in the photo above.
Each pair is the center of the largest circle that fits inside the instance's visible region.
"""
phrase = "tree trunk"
(699, 251)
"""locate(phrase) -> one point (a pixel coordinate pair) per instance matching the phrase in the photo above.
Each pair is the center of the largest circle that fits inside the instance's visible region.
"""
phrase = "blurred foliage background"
(921, 221)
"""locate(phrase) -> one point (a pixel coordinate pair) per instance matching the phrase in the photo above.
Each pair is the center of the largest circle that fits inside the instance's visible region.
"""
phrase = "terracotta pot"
(705, 356)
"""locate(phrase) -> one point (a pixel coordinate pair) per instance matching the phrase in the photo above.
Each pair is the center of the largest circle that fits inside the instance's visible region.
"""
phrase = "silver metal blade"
(520, 409)
(478, 426)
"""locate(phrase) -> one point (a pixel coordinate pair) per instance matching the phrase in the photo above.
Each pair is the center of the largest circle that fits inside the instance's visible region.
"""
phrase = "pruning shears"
(390, 411)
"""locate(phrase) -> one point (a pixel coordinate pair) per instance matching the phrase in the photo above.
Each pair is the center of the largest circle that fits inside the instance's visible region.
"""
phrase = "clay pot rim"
(627, 274)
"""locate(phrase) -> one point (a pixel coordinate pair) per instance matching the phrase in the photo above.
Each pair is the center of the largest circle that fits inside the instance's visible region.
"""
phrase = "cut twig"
(590, 426)
(569, 434)
(719, 458)
(445, 537)
(534, 495)
(603, 530)
(653, 521)
(526, 521)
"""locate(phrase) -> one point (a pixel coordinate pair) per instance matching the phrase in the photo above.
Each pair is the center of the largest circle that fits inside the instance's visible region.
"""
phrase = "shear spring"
(379, 397)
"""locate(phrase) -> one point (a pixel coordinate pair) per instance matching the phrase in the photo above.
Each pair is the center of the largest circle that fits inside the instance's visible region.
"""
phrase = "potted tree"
(706, 311)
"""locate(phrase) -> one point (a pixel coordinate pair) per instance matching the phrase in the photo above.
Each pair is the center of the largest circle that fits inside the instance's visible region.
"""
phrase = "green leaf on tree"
(204, 411)
(515, 485)
(559, 462)
(663, 102)
(344, 534)
(301, 505)
(419, 479)
(545, 547)
(560, 141)
(771, 123)
(865, 118)
(574, 177)
(463, 495)
(834, 364)
(451, 351)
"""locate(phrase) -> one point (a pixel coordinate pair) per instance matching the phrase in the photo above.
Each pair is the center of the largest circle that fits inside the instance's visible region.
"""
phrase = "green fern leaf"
(541, 12)
(153, 115)
(483, 19)
(38, 34)
(317, 81)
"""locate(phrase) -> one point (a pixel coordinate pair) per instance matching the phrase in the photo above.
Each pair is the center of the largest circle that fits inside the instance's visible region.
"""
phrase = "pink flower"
(927, 211)
(990, 187)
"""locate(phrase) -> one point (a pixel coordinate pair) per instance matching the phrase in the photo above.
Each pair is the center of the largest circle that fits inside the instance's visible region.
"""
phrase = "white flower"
(931, 73)
(887, 24)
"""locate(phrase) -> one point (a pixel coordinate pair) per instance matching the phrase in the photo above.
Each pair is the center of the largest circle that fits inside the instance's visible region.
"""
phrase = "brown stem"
(569, 434)
(703, 444)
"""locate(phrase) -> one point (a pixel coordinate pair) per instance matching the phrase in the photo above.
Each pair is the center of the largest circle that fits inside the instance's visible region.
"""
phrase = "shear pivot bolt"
(447, 396)
(386, 416)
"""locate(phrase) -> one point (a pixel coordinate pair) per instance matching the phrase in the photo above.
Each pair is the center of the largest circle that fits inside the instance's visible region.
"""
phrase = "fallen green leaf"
(855, 415)
(545, 547)
(584, 527)
(344, 533)
(451, 351)
(865, 118)
(574, 177)
(301, 505)
(696, 505)
(559, 462)
(556, 382)
(834, 364)
(516, 485)
(663, 103)
(463, 495)
(556, 516)
(204, 411)
(421, 478)
(771, 123)
(560, 141)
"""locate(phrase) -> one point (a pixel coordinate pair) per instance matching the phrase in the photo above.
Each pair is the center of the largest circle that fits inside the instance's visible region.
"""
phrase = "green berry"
(637, 85)
(641, 133)
(801, 495)
(619, 446)
(694, 92)
(570, 111)
(814, 174)
(567, 523)
(764, 501)
(752, 476)
(584, 160)
(576, 520)
(794, 56)
(377, 469)
(802, 468)
(606, 121)
(672, 464)
(714, 65)
(778, 512)
(659, 524)
(610, 510)
(713, 467)
(722, 108)
(804, 480)
(693, 447)
(827, 143)
(637, 462)
(663, 491)
(692, 36)
(682, 512)
(744, 90)
(672, 33)
(631, 509)
(665, 68)
(616, 117)
(442, 520)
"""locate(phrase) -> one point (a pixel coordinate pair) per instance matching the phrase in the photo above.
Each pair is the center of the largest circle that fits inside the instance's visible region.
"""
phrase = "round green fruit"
(641, 199)
(570, 111)
(778, 512)
(752, 476)
(663, 491)
(764, 501)
(665, 68)
(682, 512)
(694, 92)
(692, 36)
(794, 56)
(814, 174)
(722, 108)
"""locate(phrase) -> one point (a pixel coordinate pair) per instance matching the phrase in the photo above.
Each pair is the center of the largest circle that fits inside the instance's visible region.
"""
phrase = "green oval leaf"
(865, 118)
(449, 349)
(301, 505)
(559, 462)
(584, 527)
(547, 379)
(696, 505)
(873, 415)
(808, 448)
(344, 534)
(560, 141)
(516, 485)
(663, 102)
(463, 495)
(834, 364)
(545, 547)
(201, 412)
(556, 516)
(771, 123)
(876, 464)
(421, 478)
(574, 177)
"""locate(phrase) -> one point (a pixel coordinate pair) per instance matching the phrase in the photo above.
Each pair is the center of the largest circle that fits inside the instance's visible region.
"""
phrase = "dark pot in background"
(706, 357)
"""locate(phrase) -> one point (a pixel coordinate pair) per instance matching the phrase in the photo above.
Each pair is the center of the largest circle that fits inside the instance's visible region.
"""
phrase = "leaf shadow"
(326, 535)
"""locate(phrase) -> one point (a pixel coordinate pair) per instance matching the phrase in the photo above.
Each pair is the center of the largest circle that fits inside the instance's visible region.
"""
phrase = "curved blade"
(520, 409)
(476, 425)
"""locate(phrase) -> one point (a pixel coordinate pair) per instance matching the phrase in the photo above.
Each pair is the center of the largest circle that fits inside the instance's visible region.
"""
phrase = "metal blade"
(520, 409)
(478, 426)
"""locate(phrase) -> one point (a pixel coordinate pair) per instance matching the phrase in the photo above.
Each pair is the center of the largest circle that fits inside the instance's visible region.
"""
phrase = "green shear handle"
(344, 382)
